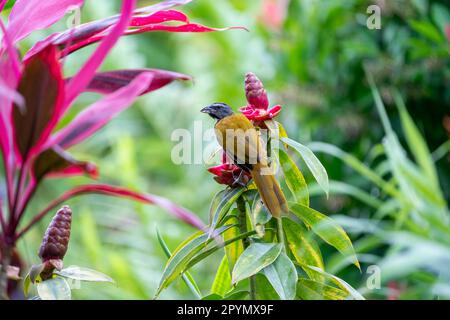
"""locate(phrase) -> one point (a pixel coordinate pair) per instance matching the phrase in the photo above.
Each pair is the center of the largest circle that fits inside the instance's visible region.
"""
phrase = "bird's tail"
(269, 189)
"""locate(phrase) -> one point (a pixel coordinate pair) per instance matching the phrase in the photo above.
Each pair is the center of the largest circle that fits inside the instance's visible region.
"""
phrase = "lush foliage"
(388, 176)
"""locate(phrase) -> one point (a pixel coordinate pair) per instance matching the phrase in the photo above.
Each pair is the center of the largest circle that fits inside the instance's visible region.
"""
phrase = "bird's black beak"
(207, 110)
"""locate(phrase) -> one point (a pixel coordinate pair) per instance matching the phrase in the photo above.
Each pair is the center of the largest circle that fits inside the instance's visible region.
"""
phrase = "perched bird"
(241, 142)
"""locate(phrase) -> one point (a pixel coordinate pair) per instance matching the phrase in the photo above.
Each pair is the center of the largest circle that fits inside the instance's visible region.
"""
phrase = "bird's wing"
(240, 140)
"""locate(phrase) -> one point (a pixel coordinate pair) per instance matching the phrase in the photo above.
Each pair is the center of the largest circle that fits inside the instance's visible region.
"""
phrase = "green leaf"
(228, 199)
(415, 141)
(187, 278)
(428, 30)
(26, 285)
(441, 16)
(222, 281)
(314, 165)
(212, 296)
(264, 290)
(327, 229)
(235, 249)
(341, 284)
(219, 244)
(215, 203)
(178, 261)
(84, 274)
(312, 290)
(282, 275)
(358, 166)
(255, 258)
(294, 178)
(304, 249)
(54, 289)
(35, 272)
(237, 295)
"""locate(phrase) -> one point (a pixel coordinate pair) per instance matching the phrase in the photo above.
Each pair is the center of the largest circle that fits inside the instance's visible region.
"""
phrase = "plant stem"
(242, 218)
(6, 259)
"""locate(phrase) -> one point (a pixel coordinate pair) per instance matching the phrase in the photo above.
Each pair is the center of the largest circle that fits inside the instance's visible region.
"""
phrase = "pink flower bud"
(255, 92)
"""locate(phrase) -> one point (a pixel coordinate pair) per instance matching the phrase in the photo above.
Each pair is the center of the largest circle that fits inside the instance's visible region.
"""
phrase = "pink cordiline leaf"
(187, 27)
(100, 113)
(175, 210)
(158, 17)
(31, 15)
(110, 81)
(84, 76)
(79, 36)
(2, 4)
(55, 162)
(42, 87)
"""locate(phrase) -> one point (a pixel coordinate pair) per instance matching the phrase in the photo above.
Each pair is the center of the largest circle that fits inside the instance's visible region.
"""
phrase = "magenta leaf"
(108, 82)
(31, 15)
(100, 113)
(158, 17)
(143, 20)
(42, 88)
(2, 4)
(187, 27)
(84, 76)
(175, 210)
(58, 163)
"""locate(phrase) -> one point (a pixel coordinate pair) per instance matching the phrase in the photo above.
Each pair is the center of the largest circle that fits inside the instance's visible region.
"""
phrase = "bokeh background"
(311, 56)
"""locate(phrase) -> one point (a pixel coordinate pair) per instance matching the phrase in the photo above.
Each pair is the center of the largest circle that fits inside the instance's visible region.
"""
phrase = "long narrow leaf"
(222, 281)
(177, 211)
(30, 15)
(42, 88)
(317, 169)
(282, 275)
(327, 229)
(255, 258)
(294, 178)
(84, 76)
(304, 249)
(187, 278)
(100, 113)
(178, 261)
(108, 82)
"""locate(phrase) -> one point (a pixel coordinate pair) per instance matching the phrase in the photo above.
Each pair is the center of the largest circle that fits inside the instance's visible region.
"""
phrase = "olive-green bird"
(241, 142)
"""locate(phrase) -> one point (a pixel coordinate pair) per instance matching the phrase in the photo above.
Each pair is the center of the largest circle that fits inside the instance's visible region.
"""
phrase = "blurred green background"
(311, 55)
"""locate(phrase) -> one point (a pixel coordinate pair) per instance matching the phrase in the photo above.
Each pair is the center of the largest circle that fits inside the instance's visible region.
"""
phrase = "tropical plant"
(276, 256)
(53, 282)
(408, 234)
(35, 96)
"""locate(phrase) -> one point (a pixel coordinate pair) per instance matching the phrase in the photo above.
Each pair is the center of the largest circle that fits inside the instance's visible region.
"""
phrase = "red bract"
(257, 109)
(35, 95)
(229, 174)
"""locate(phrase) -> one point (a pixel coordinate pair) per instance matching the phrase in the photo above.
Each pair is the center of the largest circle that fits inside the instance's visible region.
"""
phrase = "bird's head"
(218, 110)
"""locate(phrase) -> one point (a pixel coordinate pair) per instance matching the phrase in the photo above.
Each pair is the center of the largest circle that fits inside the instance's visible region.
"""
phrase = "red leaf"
(100, 113)
(158, 17)
(9, 78)
(89, 29)
(107, 82)
(30, 15)
(142, 21)
(42, 88)
(2, 4)
(81, 80)
(175, 210)
(187, 27)
(57, 162)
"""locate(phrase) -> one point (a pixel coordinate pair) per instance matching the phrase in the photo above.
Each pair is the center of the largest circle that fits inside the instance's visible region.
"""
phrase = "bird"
(241, 142)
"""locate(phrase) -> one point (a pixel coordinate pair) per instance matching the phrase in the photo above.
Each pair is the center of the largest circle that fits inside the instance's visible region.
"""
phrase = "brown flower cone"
(56, 239)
